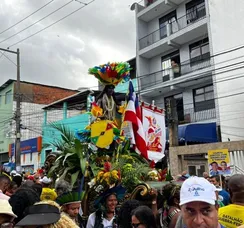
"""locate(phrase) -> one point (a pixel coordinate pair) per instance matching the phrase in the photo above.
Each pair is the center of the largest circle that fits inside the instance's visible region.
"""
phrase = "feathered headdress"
(69, 197)
(111, 73)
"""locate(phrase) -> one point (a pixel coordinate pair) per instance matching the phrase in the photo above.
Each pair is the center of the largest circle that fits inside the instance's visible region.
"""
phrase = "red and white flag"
(132, 115)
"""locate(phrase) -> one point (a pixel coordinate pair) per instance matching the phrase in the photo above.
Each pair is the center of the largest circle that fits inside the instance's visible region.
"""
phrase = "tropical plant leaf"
(66, 156)
(83, 165)
(65, 172)
(74, 177)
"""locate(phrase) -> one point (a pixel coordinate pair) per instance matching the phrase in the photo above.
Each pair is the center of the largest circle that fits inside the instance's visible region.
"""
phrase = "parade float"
(111, 150)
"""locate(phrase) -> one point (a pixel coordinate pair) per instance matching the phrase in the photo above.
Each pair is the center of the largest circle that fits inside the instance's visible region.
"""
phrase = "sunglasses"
(136, 225)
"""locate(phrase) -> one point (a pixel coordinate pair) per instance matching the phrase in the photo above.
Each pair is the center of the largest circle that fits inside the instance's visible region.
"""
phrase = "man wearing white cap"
(199, 207)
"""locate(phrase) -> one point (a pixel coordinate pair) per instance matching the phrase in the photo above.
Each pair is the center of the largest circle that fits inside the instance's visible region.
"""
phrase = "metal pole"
(18, 117)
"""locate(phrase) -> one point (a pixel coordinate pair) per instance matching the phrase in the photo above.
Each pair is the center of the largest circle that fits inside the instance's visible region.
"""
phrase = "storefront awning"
(205, 133)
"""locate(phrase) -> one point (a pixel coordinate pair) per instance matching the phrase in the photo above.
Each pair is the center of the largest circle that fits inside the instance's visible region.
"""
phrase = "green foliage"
(169, 176)
(71, 163)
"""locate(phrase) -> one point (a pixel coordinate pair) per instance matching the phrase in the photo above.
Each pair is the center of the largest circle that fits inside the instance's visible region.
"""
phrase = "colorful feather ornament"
(111, 73)
(70, 197)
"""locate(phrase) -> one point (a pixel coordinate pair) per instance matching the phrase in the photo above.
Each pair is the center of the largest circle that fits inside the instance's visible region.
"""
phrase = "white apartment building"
(187, 49)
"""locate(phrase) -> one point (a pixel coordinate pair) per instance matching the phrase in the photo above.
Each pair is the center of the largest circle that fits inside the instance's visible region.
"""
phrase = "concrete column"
(45, 117)
(65, 110)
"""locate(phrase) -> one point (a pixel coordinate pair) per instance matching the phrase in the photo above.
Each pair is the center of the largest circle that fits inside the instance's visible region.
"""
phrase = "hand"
(154, 194)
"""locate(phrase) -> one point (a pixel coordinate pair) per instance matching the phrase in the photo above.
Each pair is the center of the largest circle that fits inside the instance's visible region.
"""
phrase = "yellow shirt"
(48, 194)
(231, 216)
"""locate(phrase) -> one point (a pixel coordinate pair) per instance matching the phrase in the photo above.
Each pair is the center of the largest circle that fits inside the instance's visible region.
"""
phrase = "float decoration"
(111, 73)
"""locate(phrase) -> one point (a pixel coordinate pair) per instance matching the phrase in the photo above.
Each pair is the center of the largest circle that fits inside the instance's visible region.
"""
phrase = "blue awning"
(204, 132)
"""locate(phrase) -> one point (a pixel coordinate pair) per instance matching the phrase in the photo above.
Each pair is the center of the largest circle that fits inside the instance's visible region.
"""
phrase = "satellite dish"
(133, 6)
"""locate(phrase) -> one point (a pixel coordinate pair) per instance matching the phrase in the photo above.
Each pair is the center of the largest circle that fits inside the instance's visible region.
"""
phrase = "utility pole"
(18, 117)
(18, 113)
(172, 122)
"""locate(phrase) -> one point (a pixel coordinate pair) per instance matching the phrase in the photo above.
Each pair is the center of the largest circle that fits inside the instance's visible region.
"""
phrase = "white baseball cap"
(197, 189)
(46, 180)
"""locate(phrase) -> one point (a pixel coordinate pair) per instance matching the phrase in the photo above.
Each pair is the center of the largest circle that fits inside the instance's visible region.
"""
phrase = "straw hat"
(5, 208)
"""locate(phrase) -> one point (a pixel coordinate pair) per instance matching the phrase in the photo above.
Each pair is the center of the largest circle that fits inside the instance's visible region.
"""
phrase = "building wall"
(6, 115)
(30, 160)
(42, 94)
(50, 134)
(178, 164)
(226, 33)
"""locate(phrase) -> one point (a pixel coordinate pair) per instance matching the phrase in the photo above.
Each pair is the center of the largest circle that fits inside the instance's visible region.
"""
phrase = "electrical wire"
(52, 24)
(48, 15)
(5, 30)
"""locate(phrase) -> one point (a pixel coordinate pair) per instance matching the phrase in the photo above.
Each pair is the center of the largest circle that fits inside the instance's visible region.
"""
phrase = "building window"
(204, 98)
(199, 51)
(170, 64)
(195, 10)
(167, 19)
(8, 97)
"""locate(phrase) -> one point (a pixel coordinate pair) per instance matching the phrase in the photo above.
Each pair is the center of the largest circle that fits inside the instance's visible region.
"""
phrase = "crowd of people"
(215, 202)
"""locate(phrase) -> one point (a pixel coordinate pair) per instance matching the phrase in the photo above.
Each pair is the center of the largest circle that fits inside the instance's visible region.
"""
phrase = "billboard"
(219, 162)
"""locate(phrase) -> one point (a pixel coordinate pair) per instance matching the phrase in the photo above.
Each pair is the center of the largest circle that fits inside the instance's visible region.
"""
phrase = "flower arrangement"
(111, 73)
(107, 177)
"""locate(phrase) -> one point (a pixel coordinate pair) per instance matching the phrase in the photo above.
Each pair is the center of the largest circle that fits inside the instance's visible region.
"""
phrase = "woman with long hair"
(143, 217)
(168, 214)
(106, 215)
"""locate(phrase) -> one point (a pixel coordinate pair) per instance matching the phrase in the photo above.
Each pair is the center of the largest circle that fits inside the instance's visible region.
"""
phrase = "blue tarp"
(204, 132)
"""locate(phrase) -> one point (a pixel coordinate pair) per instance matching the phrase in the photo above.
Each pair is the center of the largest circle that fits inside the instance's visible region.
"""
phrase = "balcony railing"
(190, 116)
(146, 3)
(150, 80)
(172, 27)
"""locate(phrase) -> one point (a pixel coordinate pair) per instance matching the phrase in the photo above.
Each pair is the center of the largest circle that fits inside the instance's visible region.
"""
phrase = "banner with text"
(153, 121)
(219, 162)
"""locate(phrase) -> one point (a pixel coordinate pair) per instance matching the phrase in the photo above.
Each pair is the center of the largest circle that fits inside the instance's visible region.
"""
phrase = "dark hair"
(37, 188)
(24, 197)
(214, 163)
(145, 215)
(4, 178)
(18, 180)
(124, 215)
(170, 192)
(223, 162)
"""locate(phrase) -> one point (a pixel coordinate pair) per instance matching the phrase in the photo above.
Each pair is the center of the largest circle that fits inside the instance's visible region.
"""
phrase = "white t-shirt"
(91, 221)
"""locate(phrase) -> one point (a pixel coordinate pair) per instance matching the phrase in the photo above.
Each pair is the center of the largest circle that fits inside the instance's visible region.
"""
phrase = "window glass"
(8, 97)
(209, 88)
(199, 91)
(199, 98)
(205, 49)
(209, 96)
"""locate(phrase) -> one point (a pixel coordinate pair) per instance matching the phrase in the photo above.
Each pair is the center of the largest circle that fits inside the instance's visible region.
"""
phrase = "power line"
(26, 17)
(52, 24)
(15, 34)
(3, 54)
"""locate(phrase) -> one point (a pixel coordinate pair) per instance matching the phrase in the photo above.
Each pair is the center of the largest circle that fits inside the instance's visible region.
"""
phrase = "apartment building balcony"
(192, 116)
(150, 9)
(185, 74)
(174, 34)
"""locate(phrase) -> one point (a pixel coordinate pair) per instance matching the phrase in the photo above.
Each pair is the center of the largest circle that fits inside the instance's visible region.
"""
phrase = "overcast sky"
(61, 55)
